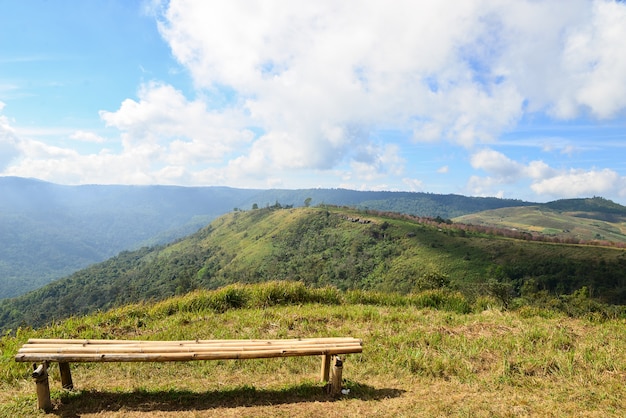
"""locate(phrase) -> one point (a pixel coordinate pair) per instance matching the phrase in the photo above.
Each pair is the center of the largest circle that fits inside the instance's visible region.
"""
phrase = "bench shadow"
(74, 404)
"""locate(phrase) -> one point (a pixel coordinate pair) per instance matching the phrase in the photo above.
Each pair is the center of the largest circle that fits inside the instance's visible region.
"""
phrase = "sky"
(520, 99)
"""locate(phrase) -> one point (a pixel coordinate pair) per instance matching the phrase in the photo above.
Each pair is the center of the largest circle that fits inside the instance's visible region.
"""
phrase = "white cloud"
(310, 73)
(380, 159)
(595, 55)
(576, 183)
(538, 170)
(288, 87)
(566, 60)
(164, 116)
(87, 137)
(496, 163)
(177, 137)
(485, 187)
(544, 180)
(164, 139)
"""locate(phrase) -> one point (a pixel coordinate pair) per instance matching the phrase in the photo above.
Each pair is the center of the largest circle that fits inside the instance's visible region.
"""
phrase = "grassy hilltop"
(428, 354)
(570, 220)
(345, 248)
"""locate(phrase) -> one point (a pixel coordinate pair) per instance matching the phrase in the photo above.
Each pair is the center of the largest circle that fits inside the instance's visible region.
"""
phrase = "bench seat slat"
(37, 341)
(174, 349)
(238, 343)
(62, 350)
(182, 356)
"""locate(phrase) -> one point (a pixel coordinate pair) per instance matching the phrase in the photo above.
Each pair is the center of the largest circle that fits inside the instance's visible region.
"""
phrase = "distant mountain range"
(49, 231)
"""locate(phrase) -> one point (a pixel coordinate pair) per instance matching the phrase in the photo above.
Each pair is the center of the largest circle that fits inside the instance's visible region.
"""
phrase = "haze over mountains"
(49, 231)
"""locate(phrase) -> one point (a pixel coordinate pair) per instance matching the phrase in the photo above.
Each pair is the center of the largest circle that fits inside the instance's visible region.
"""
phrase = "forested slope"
(332, 246)
(48, 230)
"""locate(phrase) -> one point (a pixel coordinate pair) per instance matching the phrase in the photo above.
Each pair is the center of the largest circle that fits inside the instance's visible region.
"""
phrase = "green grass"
(426, 354)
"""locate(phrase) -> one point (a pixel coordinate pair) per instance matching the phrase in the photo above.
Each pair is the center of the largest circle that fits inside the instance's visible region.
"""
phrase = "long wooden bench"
(64, 352)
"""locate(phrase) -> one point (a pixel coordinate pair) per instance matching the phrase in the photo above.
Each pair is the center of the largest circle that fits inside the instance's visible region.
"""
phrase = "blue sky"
(519, 99)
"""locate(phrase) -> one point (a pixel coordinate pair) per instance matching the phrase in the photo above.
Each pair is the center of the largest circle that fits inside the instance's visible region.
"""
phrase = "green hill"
(592, 205)
(570, 220)
(323, 246)
(424, 355)
(48, 231)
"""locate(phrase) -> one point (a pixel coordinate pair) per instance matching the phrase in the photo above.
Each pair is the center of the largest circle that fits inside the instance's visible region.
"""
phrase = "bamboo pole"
(234, 343)
(40, 374)
(182, 356)
(63, 350)
(325, 371)
(66, 376)
(336, 381)
(223, 341)
(174, 349)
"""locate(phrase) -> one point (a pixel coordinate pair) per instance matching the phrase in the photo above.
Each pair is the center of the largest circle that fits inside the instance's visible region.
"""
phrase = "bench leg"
(337, 379)
(325, 370)
(66, 376)
(40, 374)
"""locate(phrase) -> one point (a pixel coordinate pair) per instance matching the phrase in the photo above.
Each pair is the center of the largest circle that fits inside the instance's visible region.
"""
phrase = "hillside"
(49, 231)
(431, 354)
(334, 246)
(571, 220)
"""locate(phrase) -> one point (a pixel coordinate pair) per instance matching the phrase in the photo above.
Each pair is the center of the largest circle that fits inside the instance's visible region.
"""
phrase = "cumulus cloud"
(306, 70)
(498, 164)
(164, 138)
(319, 77)
(544, 180)
(180, 137)
(594, 57)
(311, 74)
(567, 60)
(186, 129)
(284, 87)
(576, 183)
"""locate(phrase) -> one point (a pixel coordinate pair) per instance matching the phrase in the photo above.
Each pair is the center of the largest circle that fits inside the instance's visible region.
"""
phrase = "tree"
(307, 202)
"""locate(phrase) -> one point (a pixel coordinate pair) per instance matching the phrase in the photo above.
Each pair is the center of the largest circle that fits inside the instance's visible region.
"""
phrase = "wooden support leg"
(66, 376)
(325, 370)
(40, 374)
(335, 383)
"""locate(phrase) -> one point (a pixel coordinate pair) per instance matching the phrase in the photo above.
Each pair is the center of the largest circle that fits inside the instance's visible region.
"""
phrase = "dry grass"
(415, 363)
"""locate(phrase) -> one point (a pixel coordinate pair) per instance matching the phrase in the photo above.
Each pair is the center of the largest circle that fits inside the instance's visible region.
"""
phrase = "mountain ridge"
(49, 230)
(334, 246)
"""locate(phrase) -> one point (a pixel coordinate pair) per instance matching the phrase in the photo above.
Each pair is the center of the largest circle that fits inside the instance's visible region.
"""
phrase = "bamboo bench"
(64, 352)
